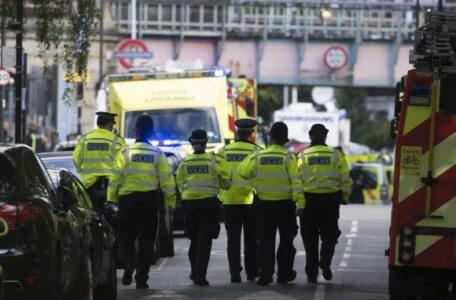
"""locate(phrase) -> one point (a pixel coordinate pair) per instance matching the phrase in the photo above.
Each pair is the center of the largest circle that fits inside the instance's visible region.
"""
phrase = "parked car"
(97, 233)
(164, 246)
(43, 255)
(3, 232)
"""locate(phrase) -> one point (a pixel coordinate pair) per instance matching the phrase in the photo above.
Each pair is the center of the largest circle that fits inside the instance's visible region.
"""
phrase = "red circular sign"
(336, 58)
(130, 46)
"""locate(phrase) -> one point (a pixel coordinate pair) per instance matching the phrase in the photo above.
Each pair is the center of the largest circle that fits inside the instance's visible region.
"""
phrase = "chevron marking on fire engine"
(425, 241)
(419, 117)
(443, 150)
(438, 255)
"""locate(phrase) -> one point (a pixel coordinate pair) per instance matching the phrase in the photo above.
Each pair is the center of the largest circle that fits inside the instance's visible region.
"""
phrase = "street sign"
(129, 50)
(5, 77)
(335, 58)
(8, 57)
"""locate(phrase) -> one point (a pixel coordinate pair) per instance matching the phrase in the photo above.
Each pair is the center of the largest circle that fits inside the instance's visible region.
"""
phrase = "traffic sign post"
(335, 58)
(129, 50)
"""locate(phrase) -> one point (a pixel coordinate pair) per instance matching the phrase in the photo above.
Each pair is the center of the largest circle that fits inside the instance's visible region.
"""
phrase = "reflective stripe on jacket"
(275, 173)
(94, 154)
(141, 167)
(201, 176)
(241, 190)
(324, 170)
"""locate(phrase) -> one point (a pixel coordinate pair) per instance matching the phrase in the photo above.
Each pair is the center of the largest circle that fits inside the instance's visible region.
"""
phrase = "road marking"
(163, 262)
(320, 292)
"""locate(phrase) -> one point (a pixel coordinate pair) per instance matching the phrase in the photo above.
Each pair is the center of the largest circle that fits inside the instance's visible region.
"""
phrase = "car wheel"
(55, 290)
(108, 291)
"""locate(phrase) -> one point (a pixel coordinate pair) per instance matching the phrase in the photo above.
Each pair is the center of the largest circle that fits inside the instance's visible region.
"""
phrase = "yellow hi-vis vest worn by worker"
(94, 154)
(276, 174)
(324, 170)
(141, 167)
(201, 176)
(241, 190)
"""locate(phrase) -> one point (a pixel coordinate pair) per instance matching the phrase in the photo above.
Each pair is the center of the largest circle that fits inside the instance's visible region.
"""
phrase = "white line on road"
(320, 292)
(164, 261)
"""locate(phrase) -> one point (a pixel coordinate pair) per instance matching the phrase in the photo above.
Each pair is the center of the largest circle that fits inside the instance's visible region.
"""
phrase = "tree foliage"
(63, 29)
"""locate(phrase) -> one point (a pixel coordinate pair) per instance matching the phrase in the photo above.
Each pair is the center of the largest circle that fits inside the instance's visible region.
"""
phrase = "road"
(359, 266)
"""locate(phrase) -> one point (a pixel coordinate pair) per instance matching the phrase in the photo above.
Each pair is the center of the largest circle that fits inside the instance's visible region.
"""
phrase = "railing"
(361, 19)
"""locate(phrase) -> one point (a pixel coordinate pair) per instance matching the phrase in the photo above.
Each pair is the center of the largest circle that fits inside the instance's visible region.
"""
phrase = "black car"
(98, 235)
(164, 246)
(43, 254)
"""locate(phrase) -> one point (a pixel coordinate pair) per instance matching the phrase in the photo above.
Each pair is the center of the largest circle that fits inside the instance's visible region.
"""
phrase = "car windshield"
(8, 179)
(65, 162)
(177, 124)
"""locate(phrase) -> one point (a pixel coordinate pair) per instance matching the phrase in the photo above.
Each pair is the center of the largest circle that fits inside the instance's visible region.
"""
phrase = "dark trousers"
(238, 217)
(98, 192)
(273, 215)
(201, 223)
(320, 219)
(138, 219)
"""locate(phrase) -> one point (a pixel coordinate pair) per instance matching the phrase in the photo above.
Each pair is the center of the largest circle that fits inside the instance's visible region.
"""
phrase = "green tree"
(63, 29)
(367, 128)
(269, 100)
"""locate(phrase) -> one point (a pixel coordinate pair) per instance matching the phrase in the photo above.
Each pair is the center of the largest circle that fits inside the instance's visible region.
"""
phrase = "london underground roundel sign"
(132, 49)
(5, 77)
(335, 58)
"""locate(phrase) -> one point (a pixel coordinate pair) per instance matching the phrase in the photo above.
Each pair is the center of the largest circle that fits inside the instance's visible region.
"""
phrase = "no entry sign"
(129, 50)
(5, 77)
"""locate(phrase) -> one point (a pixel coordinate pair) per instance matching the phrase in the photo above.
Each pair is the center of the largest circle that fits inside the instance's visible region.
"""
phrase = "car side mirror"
(3, 227)
(65, 197)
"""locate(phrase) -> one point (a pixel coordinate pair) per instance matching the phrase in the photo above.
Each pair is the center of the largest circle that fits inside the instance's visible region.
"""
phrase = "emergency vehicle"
(422, 253)
(180, 101)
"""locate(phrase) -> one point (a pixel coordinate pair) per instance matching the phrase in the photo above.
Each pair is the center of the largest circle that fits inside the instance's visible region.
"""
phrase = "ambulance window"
(447, 94)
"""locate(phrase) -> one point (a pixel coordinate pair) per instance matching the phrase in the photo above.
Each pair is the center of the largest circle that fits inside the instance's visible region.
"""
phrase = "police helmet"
(145, 123)
(279, 131)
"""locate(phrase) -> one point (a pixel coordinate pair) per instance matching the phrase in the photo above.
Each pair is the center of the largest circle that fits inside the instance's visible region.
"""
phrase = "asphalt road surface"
(359, 266)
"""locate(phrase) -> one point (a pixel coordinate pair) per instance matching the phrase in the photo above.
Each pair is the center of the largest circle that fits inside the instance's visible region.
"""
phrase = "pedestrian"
(279, 189)
(94, 154)
(358, 178)
(140, 172)
(326, 184)
(385, 157)
(239, 209)
(35, 138)
(199, 177)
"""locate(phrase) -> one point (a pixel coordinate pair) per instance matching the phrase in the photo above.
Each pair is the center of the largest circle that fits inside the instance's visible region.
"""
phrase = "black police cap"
(199, 136)
(107, 116)
(318, 128)
(245, 124)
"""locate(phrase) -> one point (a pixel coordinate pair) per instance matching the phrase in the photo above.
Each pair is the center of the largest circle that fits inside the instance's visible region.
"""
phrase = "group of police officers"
(262, 191)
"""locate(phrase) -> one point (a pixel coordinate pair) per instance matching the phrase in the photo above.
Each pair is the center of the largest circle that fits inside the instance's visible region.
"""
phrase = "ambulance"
(179, 102)
(422, 251)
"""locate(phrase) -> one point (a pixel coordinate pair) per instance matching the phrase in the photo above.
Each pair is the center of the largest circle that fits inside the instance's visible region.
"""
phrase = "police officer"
(139, 171)
(36, 139)
(199, 177)
(279, 188)
(326, 184)
(238, 204)
(94, 154)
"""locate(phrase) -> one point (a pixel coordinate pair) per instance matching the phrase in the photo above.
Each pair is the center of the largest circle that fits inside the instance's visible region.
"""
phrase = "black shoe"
(311, 279)
(327, 274)
(191, 276)
(236, 278)
(127, 277)
(290, 278)
(252, 277)
(142, 285)
(200, 281)
(264, 280)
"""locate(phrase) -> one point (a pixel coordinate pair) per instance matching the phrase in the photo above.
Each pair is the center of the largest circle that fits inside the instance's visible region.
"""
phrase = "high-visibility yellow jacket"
(241, 190)
(201, 176)
(94, 154)
(141, 167)
(324, 170)
(276, 174)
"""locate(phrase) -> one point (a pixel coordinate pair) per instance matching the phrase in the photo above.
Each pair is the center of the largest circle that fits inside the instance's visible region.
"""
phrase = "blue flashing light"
(219, 73)
(158, 143)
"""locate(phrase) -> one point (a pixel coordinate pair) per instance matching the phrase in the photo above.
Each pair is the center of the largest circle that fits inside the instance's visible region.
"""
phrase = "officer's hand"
(300, 212)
